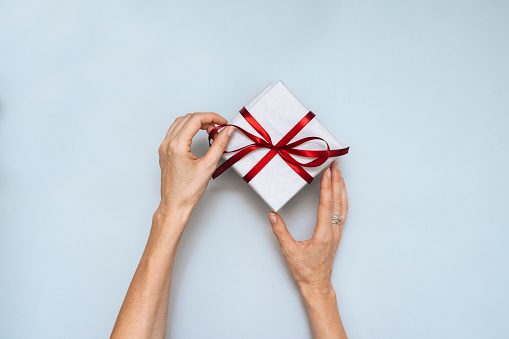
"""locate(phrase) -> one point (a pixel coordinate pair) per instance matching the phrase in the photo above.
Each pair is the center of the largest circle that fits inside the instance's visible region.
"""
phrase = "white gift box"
(277, 110)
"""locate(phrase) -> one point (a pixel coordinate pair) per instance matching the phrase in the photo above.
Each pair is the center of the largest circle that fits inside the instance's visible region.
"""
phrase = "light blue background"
(418, 89)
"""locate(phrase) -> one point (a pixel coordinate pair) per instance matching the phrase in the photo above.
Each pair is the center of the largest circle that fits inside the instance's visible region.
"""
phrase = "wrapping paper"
(278, 110)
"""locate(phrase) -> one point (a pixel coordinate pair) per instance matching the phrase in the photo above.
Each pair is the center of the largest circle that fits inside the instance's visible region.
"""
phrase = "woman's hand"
(184, 176)
(310, 261)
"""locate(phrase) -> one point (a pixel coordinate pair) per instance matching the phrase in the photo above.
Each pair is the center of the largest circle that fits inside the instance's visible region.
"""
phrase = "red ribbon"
(283, 148)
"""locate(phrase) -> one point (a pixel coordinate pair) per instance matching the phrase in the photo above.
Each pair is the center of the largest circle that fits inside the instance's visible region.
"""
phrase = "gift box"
(275, 135)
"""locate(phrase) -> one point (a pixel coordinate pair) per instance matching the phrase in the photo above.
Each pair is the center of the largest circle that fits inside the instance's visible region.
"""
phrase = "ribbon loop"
(283, 148)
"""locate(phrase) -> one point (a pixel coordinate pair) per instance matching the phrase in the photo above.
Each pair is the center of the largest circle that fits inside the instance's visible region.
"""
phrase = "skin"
(184, 179)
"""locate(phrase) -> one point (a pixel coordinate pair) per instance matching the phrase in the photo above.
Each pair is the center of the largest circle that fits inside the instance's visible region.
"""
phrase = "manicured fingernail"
(230, 130)
(327, 171)
(272, 218)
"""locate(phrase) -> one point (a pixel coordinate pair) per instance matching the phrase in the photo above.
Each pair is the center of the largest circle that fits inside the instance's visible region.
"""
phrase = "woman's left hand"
(184, 176)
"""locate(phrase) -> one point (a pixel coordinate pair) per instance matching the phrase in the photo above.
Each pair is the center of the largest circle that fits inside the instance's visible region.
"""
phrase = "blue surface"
(419, 90)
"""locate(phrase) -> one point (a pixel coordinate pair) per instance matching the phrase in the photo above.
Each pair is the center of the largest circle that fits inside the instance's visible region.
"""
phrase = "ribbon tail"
(314, 163)
(338, 152)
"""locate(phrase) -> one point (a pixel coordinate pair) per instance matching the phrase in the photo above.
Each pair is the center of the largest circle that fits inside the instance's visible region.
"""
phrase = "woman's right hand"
(310, 261)
(184, 176)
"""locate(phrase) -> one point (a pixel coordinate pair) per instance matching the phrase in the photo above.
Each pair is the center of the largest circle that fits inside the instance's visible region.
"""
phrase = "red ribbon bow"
(283, 148)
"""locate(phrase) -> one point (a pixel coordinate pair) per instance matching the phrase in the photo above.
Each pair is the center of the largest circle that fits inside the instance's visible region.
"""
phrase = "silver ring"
(336, 219)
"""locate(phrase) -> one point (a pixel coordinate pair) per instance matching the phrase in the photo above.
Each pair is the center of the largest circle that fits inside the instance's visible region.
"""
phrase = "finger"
(336, 198)
(196, 122)
(178, 126)
(209, 127)
(281, 232)
(344, 206)
(344, 200)
(172, 127)
(323, 230)
(218, 147)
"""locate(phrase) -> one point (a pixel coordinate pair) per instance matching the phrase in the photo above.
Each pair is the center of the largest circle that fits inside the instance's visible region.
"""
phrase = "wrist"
(322, 308)
(166, 212)
(170, 221)
(321, 291)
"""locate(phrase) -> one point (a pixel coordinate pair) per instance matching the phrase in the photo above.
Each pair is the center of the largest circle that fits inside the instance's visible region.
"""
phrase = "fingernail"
(272, 218)
(335, 164)
(230, 130)
(327, 171)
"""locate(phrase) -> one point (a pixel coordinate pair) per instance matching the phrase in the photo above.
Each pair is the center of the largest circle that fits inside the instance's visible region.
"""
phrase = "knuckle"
(162, 147)
(278, 232)
(220, 142)
(325, 204)
(325, 240)
(173, 146)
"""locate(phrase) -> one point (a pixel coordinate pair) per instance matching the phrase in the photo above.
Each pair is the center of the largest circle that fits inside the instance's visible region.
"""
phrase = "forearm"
(144, 311)
(322, 308)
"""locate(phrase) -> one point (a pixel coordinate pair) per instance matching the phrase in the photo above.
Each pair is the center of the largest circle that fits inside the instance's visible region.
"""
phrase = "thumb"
(218, 146)
(280, 231)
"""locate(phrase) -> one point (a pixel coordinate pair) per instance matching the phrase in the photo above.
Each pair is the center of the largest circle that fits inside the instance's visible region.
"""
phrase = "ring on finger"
(336, 219)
